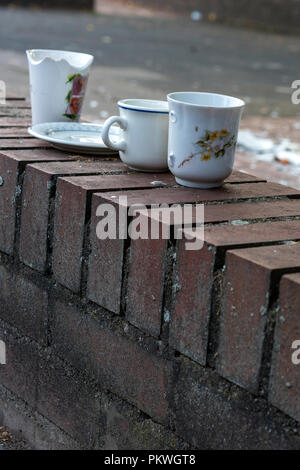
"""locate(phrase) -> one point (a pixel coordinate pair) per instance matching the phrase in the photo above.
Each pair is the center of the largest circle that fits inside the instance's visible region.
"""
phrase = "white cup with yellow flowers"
(203, 130)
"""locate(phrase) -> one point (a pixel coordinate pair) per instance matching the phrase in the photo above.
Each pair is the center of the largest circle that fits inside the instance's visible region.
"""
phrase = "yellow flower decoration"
(205, 157)
(214, 135)
(207, 147)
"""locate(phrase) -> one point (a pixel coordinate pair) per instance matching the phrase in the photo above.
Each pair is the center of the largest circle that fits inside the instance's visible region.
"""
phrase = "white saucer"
(75, 137)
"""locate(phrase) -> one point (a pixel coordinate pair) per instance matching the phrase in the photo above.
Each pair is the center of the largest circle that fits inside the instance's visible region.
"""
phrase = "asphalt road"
(149, 57)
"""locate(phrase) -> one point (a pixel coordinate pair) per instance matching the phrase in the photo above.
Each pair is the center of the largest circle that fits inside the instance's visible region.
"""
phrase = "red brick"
(19, 374)
(11, 167)
(285, 375)
(14, 132)
(70, 215)
(9, 171)
(241, 211)
(14, 96)
(247, 288)
(69, 402)
(9, 144)
(116, 362)
(15, 112)
(37, 155)
(250, 211)
(14, 122)
(268, 232)
(129, 429)
(146, 284)
(39, 182)
(104, 285)
(228, 192)
(212, 414)
(105, 265)
(28, 311)
(241, 177)
(16, 104)
(191, 308)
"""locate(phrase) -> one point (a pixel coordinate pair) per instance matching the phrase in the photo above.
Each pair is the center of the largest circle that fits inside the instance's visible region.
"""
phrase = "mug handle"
(120, 146)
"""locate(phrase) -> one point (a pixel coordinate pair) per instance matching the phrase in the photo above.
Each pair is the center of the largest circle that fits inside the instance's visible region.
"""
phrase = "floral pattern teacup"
(203, 130)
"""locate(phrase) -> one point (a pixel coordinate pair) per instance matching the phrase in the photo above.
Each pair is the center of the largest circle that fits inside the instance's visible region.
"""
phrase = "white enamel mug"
(144, 138)
(203, 132)
(58, 81)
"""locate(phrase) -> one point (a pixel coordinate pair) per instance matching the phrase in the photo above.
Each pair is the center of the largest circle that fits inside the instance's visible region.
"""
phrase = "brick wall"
(270, 15)
(61, 4)
(142, 344)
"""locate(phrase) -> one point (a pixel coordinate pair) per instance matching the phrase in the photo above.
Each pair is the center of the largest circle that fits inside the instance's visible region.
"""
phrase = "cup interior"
(153, 106)
(212, 100)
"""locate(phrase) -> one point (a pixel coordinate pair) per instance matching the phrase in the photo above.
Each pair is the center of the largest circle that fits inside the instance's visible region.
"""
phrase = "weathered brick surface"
(285, 375)
(105, 264)
(16, 103)
(14, 97)
(26, 423)
(213, 414)
(251, 211)
(20, 372)
(72, 206)
(241, 177)
(104, 283)
(9, 144)
(34, 218)
(192, 299)
(14, 132)
(68, 402)
(227, 192)
(250, 276)
(105, 267)
(141, 377)
(193, 287)
(39, 186)
(145, 286)
(126, 428)
(28, 312)
(15, 112)
(14, 122)
(235, 212)
(37, 155)
(9, 172)
(269, 232)
(11, 168)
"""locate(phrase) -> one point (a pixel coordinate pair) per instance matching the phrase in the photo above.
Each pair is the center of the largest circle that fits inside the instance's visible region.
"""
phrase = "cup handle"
(173, 117)
(171, 159)
(120, 146)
